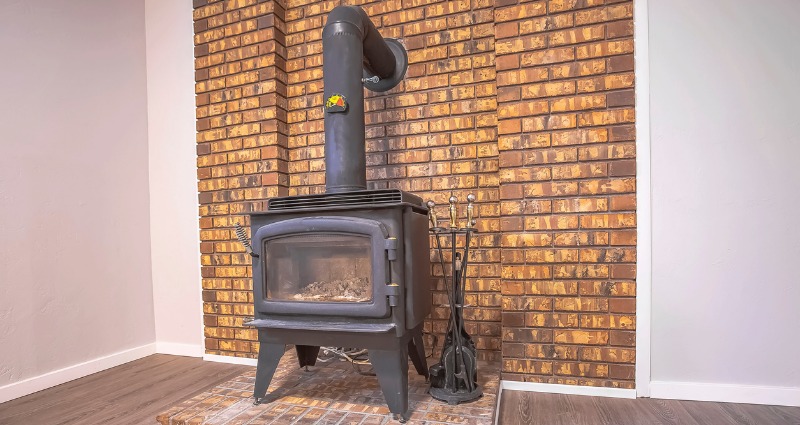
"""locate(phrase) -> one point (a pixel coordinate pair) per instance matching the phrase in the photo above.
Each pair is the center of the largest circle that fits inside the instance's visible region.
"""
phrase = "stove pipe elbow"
(352, 52)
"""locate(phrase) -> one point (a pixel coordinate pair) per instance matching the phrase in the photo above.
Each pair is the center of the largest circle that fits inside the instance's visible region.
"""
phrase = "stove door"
(332, 266)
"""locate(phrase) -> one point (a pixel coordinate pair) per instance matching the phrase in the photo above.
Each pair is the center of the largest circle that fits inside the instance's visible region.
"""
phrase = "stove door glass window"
(319, 268)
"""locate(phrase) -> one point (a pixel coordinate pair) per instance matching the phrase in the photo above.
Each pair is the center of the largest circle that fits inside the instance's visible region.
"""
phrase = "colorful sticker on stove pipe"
(336, 103)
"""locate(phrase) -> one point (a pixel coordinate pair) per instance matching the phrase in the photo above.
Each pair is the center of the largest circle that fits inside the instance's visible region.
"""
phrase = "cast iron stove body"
(343, 270)
(351, 267)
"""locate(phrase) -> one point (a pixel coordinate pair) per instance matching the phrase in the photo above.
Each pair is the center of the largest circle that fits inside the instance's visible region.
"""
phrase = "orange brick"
(562, 54)
(581, 337)
(525, 10)
(546, 23)
(576, 35)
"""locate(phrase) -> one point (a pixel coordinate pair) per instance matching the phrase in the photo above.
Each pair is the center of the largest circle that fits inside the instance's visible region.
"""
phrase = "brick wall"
(529, 106)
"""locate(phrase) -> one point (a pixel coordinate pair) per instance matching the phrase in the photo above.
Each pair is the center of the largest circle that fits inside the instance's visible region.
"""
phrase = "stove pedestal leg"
(269, 354)
(416, 350)
(389, 366)
(307, 354)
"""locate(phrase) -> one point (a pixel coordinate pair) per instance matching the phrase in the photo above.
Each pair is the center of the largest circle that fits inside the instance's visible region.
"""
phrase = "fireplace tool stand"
(454, 379)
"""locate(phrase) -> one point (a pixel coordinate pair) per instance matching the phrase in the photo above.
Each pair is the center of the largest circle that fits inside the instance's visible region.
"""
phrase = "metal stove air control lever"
(241, 234)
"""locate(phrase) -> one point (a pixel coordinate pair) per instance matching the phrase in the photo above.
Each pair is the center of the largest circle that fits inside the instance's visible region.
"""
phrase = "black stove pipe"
(352, 51)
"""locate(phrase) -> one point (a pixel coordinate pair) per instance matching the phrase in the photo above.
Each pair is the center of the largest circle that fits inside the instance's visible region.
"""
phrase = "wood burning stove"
(349, 268)
(365, 259)
(346, 270)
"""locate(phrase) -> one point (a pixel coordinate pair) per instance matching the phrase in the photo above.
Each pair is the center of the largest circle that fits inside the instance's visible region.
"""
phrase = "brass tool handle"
(432, 215)
(453, 213)
(470, 210)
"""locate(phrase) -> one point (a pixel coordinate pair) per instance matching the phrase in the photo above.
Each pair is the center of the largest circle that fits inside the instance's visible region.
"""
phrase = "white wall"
(74, 213)
(173, 177)
(725, 187)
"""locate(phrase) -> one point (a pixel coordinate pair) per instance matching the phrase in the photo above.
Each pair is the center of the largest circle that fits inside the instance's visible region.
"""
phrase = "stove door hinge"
(393, 293)
(391, 249)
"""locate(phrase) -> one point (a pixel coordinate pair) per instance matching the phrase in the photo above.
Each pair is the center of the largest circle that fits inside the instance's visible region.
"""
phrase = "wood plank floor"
(528, 408)
(133, 393)
(136, 392)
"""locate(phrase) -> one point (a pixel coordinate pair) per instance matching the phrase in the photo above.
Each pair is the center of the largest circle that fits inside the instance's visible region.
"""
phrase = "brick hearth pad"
(330, 393)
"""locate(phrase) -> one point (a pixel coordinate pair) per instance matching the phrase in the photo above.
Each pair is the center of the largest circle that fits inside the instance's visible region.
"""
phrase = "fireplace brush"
(454, 378)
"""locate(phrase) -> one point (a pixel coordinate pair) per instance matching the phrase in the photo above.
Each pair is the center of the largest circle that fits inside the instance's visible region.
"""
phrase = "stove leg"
(269, 354)
(391, 366)
(307, 354)
(416, 350)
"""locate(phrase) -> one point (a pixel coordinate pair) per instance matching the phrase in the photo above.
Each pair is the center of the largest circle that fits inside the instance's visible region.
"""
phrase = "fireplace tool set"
(454, 379)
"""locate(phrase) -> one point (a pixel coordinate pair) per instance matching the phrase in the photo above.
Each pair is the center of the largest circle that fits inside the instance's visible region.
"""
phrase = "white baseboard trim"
(175, 349)
(726, 393)
(229, 359)
(69, 373)
(567, 389)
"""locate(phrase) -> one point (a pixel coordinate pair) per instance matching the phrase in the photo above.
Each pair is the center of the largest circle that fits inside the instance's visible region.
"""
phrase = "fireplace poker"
(436, 231)
(446, 289)
(467, 371)
(454, 301)
(462, 275)
(458, 325)
(449, 289)
(459, 365)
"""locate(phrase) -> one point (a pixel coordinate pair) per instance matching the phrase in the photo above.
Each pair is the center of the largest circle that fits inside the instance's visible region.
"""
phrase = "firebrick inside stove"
(351, 267)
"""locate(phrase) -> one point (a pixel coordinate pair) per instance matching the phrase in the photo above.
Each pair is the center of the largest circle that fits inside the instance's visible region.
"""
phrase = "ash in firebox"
(355, 289)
